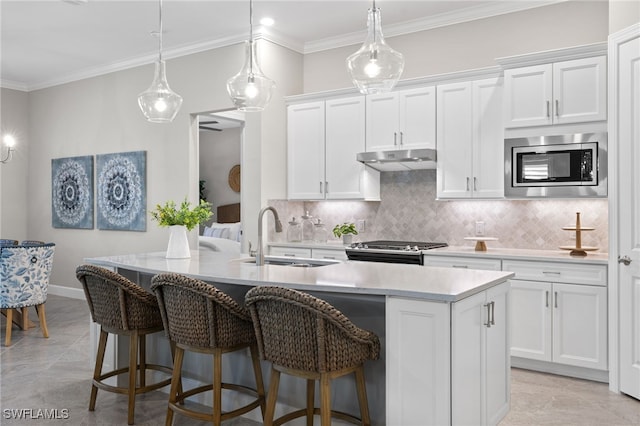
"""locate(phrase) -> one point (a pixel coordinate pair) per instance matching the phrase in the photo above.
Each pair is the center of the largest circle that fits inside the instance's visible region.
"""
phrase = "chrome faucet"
(260, 250)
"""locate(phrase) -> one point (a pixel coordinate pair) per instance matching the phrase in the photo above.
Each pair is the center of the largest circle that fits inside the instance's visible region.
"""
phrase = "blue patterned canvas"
(122, 191)
(72, 192)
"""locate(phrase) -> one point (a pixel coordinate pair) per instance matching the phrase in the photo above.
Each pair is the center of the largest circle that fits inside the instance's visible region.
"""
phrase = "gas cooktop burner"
(397, 245)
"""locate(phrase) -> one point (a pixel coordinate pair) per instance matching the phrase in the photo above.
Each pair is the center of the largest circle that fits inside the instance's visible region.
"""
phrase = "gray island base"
(444, 333)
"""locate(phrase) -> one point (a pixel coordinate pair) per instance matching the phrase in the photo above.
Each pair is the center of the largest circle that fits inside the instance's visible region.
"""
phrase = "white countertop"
(370, 278)
(596, 258)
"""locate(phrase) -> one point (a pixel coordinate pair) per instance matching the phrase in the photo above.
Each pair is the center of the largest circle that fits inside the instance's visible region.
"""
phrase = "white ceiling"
(45, 43)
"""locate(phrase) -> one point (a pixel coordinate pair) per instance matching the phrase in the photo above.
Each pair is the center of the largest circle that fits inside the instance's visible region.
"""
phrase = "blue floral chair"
(24, 280)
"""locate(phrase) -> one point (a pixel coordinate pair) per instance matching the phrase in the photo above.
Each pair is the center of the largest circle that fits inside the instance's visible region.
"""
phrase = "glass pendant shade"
(159, 103)
(375, 67)
(250, 89)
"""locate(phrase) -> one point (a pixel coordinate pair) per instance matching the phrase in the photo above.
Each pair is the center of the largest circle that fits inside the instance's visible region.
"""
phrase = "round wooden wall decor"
(234, 178)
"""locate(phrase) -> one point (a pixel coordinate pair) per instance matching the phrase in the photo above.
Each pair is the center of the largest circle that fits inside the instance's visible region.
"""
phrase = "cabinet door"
(417, 118)
(290, 251)
(498, 365)
(337, 254)
(382, 122)
(345, 130)
(462, 262)
(418, 362)
(528, 96)
(580, 90)
(454, 138)
(488, 139)
(305, 149)
(580, 325)
(531, 320)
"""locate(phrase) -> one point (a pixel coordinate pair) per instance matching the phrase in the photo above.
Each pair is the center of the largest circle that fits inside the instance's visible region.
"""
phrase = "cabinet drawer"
(339, 254)
(290, 251)
(557, 272)
(462, 262)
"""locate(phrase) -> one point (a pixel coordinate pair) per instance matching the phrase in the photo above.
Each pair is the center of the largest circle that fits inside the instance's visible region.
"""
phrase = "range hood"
(400, 160)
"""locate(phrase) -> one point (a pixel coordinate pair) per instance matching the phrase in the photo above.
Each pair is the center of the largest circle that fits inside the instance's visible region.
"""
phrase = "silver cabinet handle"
(626, 260)
(289, 255)
(467, 183)
(557, 108)
(546, 296)
(475, 183)
(321, 190)
(488, 323)
(326, 187)
(551, 272)
(460, 266)
(395, 138)
(328, 257)
(555, 299)
(493, 313)
(548, 112)
(401, 138)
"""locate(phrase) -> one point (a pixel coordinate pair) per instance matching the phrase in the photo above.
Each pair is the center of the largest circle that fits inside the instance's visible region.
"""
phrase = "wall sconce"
(10, 142)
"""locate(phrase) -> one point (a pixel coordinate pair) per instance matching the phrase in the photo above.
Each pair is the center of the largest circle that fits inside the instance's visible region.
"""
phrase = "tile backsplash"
(409, 211)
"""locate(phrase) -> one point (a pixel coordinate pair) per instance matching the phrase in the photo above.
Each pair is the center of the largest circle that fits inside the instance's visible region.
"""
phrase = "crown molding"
(428, 23)
(547, 56)
(13, 85)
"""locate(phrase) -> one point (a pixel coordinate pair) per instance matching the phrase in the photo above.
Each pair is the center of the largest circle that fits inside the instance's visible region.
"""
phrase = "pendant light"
(250, 89)
(375, 67)
(159, 103)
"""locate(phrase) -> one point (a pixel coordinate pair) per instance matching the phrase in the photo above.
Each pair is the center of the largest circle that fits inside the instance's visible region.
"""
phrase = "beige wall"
(14, 118)
(622, 14)
(473, 44)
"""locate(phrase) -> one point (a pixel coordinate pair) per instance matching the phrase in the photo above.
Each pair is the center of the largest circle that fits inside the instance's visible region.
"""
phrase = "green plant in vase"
(170, 214)
(346, 231)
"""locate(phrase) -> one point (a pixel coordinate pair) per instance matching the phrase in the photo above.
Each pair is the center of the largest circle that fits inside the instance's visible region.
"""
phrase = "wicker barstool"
(122, 307)
(307, 337)
(200, 318)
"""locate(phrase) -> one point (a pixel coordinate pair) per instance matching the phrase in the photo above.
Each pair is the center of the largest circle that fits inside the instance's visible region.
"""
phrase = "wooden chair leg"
(325, 400)
(176, 386)
(25, 318)
(362, 396)
(43, 320)
(311, 389)
(143, 359)
(97, 371)
(173, 347)
(7, 335)
(133, 364)
(272, 396)
(217, 386)
(257, 371)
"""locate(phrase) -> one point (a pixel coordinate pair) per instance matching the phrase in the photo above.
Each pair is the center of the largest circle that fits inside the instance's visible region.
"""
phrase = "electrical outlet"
(360, 224)
(479, 228)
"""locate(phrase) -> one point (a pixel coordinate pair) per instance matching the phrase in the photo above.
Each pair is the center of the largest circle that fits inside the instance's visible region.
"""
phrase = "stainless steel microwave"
(562, 166)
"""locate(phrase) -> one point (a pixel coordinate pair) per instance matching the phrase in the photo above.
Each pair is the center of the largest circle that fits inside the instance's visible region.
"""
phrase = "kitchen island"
(444, 332)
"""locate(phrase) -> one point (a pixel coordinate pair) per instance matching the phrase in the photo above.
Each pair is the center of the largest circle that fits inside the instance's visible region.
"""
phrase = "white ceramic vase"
(347, 239)
(178, 247)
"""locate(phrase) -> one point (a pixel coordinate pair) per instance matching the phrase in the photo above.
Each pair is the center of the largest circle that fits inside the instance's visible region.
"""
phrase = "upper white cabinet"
(323, 140)
(401, 120)
(565, 92)
(470, 140)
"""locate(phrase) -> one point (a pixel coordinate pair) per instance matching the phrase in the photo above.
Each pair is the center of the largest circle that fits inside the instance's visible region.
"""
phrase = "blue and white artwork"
(72, 192)
(122, 191)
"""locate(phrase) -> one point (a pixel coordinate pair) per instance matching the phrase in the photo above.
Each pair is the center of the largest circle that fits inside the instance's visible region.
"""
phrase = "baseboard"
(73, 293)
(562, 370)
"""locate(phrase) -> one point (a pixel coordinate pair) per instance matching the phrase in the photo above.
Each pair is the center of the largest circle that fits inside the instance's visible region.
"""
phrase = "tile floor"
(54, 373)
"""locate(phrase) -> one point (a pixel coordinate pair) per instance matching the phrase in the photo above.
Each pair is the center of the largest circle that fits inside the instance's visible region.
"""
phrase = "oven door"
(386, 256)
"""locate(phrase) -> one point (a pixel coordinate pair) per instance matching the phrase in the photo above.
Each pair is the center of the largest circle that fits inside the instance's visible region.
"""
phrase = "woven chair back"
(116, 303)
(24, 274)
(299, 331)
(199, 315)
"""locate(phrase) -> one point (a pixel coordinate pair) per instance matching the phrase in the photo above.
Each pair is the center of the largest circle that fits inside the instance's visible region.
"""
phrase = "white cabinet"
(323, 140)
(290, 251)
(463, 262)
(559, 318)
(401, 120)
(330, 253)
(560, 93)
(479, 353)
(463, 353)
(470, 140)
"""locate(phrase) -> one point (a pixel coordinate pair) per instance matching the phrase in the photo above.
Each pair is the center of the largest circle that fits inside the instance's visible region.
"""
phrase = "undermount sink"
(291, 261)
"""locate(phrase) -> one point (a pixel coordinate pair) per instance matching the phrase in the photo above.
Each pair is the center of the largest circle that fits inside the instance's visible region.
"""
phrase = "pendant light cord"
(374, 21)
(250, 38)
(160, 33)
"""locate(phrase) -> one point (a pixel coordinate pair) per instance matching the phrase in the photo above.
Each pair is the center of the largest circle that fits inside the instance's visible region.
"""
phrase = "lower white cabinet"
(463, 262)
(479, 353)
(290, 251)
(337, 253)
(331, 254)
(561, 323)
(459, 354)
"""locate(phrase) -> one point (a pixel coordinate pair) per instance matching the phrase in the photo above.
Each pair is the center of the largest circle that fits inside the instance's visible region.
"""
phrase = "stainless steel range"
(391, 251)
